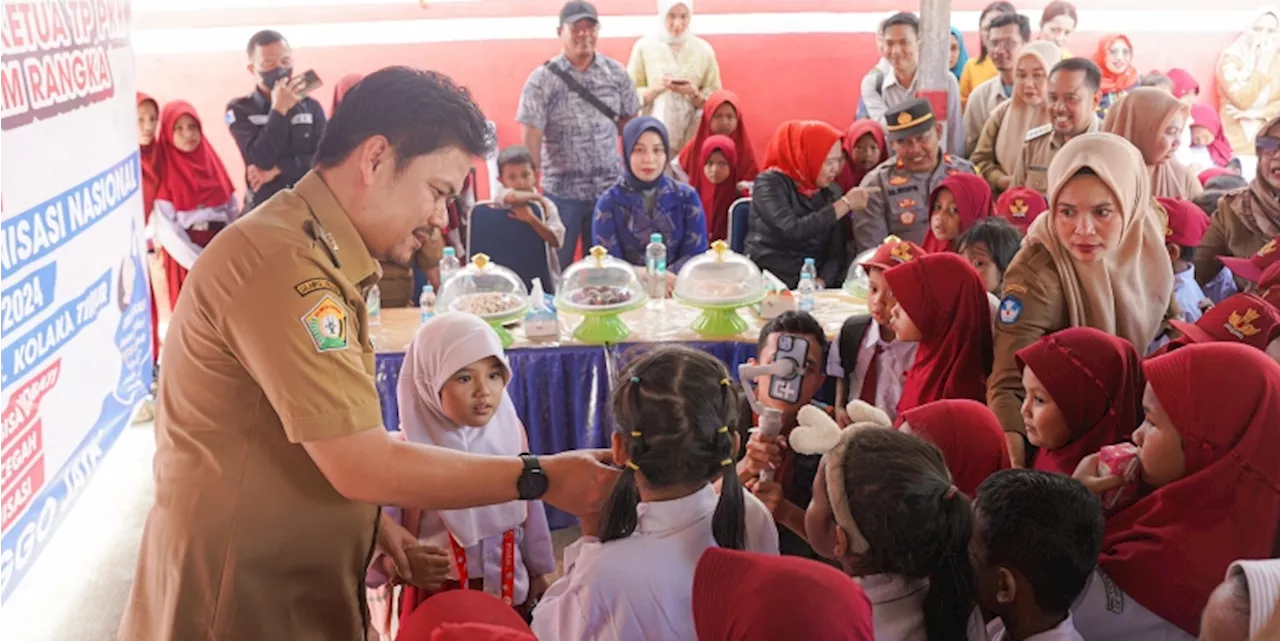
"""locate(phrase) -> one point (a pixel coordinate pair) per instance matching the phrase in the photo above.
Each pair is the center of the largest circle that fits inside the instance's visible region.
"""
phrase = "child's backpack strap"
(851, 335)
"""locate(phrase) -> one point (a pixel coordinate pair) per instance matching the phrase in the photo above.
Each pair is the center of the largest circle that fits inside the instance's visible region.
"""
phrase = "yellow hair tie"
(632, 465)
(726, 382)
(637, 434)
(724, 429)
(726, 463)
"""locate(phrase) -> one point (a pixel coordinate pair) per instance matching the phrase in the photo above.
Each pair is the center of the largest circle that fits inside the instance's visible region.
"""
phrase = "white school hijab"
(442, 346)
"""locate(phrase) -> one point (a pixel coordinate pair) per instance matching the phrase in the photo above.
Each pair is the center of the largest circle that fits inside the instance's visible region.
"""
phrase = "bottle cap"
(449, 251)
(655, 238)
(808, 261)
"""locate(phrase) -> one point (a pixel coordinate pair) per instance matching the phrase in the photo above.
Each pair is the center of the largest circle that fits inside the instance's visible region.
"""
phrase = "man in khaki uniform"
(1073, 110)
(271, 456)
(898, 201)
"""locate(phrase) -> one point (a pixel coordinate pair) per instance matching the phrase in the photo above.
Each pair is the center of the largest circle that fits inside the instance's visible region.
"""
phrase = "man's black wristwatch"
(533, 481)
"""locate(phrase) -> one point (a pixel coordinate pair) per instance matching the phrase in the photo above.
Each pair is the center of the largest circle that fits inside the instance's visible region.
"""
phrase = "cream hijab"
(442, 346)
(1020, 117)
(1126, 293)
(1141, 117)
(665, 7)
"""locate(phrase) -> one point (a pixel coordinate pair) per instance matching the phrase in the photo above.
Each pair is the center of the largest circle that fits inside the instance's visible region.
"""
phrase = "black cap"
(576, 10)
(908, 119)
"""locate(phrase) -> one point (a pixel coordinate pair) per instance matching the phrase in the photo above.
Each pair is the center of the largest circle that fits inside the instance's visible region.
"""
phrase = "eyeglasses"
(1267, 144)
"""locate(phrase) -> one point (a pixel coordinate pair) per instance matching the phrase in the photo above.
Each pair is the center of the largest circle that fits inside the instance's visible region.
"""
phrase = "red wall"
(778, 76)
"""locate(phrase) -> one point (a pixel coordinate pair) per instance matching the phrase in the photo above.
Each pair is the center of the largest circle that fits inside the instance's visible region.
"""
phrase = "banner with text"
(75, 321)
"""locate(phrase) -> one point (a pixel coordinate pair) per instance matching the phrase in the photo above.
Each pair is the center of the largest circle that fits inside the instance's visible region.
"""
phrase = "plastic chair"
(509, 242)
(738, 213)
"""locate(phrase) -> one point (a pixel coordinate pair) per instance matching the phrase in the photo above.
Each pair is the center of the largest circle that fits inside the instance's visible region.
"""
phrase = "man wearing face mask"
(276, 126)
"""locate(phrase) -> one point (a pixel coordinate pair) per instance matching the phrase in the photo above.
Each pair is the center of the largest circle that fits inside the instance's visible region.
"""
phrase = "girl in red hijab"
(195, 200)
(716, 180)
(1207, 134)
(971, 439)
(721, 116)
(942, 304)
(1084, 391)
(1115, 59)
(1207, 456)
(864, 149)
(148, 150)
(956, 204)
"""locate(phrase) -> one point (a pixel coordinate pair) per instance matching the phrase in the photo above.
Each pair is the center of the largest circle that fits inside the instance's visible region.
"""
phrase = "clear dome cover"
(719, 277)
(600, 283)
(856, 281)
(484, 288)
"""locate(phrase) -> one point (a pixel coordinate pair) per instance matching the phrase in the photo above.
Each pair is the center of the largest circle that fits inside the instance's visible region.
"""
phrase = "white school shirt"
(896, 357)
(1188, 294)
(897, 608)
(1105, 613)
(641, 587)
(1065, 631)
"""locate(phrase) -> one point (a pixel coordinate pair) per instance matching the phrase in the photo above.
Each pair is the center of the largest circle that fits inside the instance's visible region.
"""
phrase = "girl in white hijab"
(1244, 603)
(674, 71)
(452, 393)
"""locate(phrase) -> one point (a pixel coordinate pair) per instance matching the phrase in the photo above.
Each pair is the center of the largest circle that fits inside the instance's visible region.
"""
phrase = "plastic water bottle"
(808, 285)
(655, 260)
(374, 303)
(427, 302)
(449, 266)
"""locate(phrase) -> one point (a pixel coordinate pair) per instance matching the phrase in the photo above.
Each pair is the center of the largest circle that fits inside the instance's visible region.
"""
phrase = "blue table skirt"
(561, 394)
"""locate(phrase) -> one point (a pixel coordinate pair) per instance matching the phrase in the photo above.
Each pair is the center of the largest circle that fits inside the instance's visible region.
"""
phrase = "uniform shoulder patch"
(1036, 132)
(1010, 309)
(326, 323)
(312, 285)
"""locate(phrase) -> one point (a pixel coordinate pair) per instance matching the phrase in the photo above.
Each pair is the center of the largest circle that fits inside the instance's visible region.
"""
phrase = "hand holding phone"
(306, 83)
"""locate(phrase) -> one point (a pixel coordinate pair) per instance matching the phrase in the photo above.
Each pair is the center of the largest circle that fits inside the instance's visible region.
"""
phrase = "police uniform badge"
(326, 323)
(907, 217)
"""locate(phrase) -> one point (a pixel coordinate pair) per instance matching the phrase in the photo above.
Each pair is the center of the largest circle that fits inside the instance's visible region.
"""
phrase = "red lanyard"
(508, 565)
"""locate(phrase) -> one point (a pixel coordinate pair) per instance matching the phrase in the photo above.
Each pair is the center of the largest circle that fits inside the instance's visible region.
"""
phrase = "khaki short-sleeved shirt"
(1040, 145)
(268, 348)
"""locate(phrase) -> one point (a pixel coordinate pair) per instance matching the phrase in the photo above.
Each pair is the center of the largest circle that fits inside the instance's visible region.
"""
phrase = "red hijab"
(1183, 83)
(849, 176)
(191, 179)
(340, 90)
(747, 167)
(971, 439)
(1207, 117)
(1111, 82)
(947, 300)
(973, 199)
(798, 149)
(149, 157)
(1096, 380)
(1171, 549)
(716, 199)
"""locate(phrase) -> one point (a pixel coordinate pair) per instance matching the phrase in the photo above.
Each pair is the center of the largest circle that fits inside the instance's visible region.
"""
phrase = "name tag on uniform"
(301, 119)
(259, 119)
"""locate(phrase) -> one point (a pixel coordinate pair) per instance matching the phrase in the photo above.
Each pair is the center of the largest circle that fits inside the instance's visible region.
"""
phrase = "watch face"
(533, 482)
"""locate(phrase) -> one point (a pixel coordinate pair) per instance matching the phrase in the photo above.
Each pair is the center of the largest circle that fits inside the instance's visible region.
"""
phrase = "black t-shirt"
(268, 139)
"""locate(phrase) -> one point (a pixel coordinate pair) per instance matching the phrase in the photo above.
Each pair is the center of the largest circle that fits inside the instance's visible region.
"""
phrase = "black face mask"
(270, 78)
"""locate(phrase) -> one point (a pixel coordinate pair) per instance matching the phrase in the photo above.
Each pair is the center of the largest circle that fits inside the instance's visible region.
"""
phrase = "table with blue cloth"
(560, 388)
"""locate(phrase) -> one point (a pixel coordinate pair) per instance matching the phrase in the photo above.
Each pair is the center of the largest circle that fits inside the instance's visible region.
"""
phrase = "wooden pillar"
(935, 53)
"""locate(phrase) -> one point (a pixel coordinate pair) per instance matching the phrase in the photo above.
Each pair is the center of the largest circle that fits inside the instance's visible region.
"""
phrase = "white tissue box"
(541, 325)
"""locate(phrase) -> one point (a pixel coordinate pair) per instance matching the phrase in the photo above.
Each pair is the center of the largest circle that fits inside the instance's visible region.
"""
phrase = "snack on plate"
(487, 303)
(1119, 460)
(601, 296)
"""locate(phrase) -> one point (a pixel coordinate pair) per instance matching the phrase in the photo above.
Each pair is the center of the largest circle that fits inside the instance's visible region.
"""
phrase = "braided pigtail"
(619, 519)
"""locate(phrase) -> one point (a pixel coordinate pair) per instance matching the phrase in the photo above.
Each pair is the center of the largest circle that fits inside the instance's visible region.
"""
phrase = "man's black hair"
(417, 112)
(515, 155)
(1092, 74)
(1006, 19)
(262, 39)
(799, 323)
(902, 18)
(1046, 526)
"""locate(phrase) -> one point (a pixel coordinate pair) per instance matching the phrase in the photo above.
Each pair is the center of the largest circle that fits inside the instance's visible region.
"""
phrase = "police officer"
(276, 126)
(1073, 110)
(899, 200)
(271, 457)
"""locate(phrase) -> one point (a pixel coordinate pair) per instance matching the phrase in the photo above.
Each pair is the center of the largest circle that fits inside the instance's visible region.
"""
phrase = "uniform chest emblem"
(326, 323)
(1010, 310)
(907, 203)
(907, 217)
(898, 181)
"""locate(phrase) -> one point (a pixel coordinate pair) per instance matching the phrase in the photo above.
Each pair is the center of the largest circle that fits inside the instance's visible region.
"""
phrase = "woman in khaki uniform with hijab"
(1003, 137)
(1247, 218)
(1097, 259)
(1153, 120)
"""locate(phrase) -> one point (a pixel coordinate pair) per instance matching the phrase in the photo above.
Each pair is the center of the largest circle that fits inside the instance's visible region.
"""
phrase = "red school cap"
(469, 615)
(893, 252)
(1251, 268)
(1021, 206)
(1242, 318)
(1187, 222)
